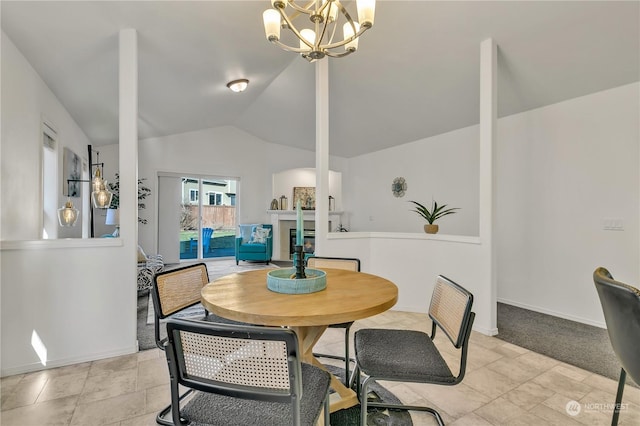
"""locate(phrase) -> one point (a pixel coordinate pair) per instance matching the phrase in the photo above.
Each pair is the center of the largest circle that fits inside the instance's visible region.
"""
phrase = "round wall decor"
(398, 187)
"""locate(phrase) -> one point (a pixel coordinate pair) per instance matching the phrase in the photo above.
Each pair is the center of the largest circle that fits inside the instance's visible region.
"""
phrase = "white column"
(128, 146)
(488, 132)
(322, 153)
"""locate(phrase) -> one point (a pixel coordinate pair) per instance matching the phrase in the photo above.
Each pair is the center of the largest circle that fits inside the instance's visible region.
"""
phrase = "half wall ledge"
(461, 239)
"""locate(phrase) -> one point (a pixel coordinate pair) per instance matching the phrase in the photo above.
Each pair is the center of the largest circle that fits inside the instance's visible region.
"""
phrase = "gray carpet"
(578, 344)
(144, 330)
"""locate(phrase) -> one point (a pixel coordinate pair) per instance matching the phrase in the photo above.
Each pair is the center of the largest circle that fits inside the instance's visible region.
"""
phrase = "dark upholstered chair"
(621, 306)
(420, 361)
(350, 264)
(250, 248)
(241, 375)
(178, 289)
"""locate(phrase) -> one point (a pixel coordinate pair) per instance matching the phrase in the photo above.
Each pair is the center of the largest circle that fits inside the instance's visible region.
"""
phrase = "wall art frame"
(71, 169)
(306, 195)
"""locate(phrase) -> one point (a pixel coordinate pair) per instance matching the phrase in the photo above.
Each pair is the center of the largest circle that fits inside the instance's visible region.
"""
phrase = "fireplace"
(309, 238)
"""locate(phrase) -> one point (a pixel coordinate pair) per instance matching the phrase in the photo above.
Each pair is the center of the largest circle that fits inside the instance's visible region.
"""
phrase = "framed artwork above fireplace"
(306, 195)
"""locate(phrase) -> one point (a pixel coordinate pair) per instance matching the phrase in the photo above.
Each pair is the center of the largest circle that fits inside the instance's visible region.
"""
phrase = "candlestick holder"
(299, 261)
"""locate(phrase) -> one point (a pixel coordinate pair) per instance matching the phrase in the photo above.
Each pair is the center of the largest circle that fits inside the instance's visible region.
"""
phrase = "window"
(49, 181)
(215, 198)
(193, 195)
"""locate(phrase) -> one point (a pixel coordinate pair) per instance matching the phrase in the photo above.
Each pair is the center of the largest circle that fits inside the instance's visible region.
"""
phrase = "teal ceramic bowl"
(284, 281)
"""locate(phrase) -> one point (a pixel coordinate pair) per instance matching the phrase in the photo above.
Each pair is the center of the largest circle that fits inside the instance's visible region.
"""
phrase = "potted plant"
(433, 214)
(143, 192)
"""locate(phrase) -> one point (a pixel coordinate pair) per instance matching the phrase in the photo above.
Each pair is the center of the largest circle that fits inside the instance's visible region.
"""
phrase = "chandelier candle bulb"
(348, 33)
(271, 18)
(308, 35)
(366, 12)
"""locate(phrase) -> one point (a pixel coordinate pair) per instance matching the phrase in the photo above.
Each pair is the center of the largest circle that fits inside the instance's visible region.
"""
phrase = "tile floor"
(504, 385)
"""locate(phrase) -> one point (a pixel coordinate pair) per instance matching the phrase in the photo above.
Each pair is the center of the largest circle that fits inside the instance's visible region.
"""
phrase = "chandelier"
(324, 17)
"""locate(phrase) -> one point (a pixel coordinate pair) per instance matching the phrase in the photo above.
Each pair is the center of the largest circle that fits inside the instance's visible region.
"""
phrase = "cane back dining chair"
(378, 356)
(621, 306)
(177, 289)
(240, 375)
(350, 264)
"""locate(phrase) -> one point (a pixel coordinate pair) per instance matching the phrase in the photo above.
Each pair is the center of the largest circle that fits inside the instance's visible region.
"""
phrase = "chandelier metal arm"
(289, 48)
(341, 54)
(292, 27)
(302, 9)
(320, 35)
(294, 30)
(346, 41)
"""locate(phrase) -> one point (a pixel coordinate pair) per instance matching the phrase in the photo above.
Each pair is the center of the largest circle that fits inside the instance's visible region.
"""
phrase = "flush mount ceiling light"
(325, 16)
(238, 85)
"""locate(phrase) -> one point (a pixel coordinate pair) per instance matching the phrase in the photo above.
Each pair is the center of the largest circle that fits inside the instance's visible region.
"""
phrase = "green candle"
(299, 225)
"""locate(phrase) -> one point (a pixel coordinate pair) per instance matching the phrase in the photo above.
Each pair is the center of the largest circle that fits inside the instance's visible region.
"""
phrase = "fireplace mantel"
(279, 219)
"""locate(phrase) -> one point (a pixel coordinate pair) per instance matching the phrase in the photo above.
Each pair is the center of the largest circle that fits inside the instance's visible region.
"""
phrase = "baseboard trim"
(486, 331)
(36, 366)
(552, 313)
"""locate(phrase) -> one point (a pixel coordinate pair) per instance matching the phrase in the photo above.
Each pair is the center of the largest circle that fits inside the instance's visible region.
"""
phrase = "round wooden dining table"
(349, 296)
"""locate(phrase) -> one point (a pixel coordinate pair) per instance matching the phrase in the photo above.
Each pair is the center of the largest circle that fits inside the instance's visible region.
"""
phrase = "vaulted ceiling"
(416, 73)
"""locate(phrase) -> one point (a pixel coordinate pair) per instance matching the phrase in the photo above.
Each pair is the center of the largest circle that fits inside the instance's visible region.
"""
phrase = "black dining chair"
(239, 375)
(350, 264)
(621, 306)
(176, 290)
(419, 361)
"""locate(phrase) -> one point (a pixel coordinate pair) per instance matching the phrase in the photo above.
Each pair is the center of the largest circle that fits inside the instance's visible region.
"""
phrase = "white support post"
(128, 146)
(322, 153)
(488, 137)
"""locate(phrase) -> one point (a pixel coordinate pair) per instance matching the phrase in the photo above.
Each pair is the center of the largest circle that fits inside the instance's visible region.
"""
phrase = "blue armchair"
(254, 243)
(207, 233)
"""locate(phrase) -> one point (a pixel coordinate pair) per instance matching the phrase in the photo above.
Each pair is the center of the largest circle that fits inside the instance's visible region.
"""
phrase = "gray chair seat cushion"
(402, 354)
(222, 320)
(213, 409)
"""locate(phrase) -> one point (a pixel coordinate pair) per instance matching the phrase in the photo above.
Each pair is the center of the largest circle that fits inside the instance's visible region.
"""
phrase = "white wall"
(224, 151)
(562, 169)
(26, 102)
(443, 167)
(78, 295)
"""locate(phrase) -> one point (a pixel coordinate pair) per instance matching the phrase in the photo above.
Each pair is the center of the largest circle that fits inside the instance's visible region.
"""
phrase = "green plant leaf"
(435, 213)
